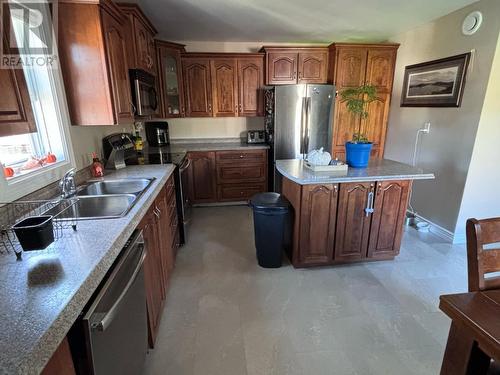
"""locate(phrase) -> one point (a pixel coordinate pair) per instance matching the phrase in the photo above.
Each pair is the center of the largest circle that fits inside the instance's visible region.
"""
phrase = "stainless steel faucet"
(67, 184)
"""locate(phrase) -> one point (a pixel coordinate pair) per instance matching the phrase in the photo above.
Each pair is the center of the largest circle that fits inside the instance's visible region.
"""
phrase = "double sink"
(107, 199)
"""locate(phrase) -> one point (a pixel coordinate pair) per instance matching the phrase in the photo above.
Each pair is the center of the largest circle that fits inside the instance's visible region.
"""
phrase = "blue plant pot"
(358, 154)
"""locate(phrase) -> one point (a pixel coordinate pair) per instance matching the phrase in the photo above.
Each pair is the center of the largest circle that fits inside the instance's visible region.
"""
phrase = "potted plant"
(357, 99)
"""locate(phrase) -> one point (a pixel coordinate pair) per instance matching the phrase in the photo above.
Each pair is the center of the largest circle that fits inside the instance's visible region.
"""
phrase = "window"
(29, 152)
(38, 158)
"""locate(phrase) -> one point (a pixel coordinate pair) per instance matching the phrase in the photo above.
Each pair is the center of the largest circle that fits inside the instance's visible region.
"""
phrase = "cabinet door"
(345, 125)
(312, 67)
(353, 223)
(144, 47)
(152, 277)
(224, 87)
(350, 67)
(170, 82)
(317, 223)
(250, 83)
(202, 177)
(114, 36)
(281, 68)
(391, 200)
(16, 114)
(380, 68)
(164, 238)
(198, 88)
(375, 126)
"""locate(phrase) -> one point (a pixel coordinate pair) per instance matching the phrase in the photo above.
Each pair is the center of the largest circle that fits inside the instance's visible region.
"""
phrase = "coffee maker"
(157, 133)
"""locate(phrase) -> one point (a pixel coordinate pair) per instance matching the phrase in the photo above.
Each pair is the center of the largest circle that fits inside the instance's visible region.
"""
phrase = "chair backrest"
(481, 261)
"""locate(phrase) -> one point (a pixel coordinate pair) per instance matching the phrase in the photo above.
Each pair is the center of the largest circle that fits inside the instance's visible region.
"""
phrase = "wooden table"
(474, 336)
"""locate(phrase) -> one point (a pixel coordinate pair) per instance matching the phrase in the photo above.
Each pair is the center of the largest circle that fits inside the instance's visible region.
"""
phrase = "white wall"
(447, 150)
(481, 198)
(88, 139)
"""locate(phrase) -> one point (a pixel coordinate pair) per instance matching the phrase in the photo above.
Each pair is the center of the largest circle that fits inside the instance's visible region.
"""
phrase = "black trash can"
(271, 218)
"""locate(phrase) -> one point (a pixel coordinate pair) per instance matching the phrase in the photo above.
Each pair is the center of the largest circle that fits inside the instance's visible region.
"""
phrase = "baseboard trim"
(438, 230)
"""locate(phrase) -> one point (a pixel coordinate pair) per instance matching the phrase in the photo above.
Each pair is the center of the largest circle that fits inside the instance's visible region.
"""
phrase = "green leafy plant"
(357, 100)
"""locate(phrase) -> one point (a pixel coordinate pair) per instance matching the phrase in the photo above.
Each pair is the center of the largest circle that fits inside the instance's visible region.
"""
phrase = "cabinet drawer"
(241, 173)
(233, 192)
(246, 156)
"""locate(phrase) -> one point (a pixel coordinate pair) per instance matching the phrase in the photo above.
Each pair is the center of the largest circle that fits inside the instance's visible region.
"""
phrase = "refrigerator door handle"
(303, 127)
(307, 130)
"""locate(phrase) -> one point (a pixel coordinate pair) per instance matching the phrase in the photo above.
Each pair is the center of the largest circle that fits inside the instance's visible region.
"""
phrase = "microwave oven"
(144, 96)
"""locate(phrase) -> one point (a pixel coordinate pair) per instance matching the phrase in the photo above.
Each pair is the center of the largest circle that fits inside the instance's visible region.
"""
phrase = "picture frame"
(437, 83)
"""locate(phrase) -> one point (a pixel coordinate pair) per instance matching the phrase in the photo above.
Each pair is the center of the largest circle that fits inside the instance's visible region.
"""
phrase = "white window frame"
(19, 186)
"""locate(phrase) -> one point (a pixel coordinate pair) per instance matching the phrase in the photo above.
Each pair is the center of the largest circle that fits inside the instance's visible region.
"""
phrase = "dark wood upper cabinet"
(224, 77)
(380, 68)
(92, 52)
(231, 85)
(291, 65)
(141, 32)
(198, 86)
(202, 177)
(170, 81)
(250, 83)
(350, 67)
(281, 68)
(317, 223)
(115, 39)
(353, 65)
(16, 114)
(312, 67)
(353, 223)
(391, 200)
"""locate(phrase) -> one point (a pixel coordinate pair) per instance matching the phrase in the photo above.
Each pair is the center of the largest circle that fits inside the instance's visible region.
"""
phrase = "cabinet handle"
(240, 107)
(132, 108)
(236, 108)
(379, 190)
(241, 156)
(369, 204)
(210, 108)
(300, 75)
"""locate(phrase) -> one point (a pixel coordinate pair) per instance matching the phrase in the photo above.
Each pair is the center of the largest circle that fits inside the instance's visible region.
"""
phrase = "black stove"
(161, 155)
(165, 155)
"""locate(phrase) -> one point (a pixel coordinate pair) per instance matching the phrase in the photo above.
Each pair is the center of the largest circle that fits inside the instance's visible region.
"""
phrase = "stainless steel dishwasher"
(115, 324)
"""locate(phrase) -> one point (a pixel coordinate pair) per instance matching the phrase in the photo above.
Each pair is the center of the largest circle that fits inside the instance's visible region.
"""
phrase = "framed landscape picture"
(438, 83)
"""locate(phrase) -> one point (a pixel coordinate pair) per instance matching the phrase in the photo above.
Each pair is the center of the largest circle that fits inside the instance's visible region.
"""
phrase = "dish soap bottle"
(96, 169)
(138, 143)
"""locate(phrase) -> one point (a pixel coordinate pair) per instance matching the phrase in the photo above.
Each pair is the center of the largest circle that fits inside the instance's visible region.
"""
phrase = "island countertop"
(43, 295)
(377, 170)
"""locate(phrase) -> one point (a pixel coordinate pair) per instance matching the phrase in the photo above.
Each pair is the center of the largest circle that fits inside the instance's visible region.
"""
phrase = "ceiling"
(292, 20)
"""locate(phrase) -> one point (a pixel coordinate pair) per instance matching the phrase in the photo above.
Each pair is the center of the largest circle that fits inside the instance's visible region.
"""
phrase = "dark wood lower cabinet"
(202, 185)
(353, 223)
(346, 222)
(161, 236)
(61, 362)
(391, 200)
(317, 218)
(227, 176)
(155, 294)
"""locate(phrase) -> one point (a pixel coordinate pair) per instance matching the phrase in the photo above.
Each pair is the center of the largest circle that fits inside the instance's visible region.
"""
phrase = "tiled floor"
(227, 316)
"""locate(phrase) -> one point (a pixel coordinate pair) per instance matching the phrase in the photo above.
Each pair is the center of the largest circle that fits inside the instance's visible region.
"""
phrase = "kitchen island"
(353, 216)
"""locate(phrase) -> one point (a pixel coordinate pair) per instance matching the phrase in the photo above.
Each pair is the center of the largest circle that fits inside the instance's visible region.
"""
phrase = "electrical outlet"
(427, 128)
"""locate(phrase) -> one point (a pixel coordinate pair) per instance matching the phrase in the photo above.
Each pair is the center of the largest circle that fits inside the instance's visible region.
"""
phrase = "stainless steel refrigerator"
(299, 118)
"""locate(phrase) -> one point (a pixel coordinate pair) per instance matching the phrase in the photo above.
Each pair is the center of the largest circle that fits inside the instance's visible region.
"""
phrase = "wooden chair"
(480, 261)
